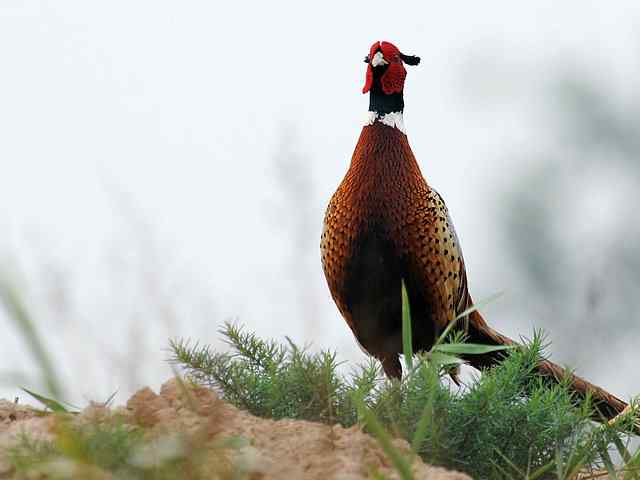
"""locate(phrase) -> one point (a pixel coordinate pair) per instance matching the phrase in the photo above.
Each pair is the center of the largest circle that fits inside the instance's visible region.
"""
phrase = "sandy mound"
(272, 450)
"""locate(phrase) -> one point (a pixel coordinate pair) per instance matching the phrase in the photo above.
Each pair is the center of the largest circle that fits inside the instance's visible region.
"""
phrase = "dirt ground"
(285, 449)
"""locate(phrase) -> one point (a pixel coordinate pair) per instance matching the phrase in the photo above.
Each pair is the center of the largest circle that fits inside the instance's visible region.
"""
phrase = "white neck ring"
(393, 119)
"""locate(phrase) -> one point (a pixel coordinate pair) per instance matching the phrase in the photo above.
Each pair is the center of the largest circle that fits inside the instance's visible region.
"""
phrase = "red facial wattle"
(368, 83)
(392, 80)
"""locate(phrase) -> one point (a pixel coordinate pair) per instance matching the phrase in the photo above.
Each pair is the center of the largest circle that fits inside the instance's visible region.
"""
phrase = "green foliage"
(17, 311)
(407, 342)
(107, 446)
(399, 461)
(28, 453)
(126, 451)
(506, 424)
(276, 381)
(50, 403)
(509, 411)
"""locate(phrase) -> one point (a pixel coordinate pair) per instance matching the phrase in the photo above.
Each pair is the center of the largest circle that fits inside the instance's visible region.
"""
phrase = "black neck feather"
(381, 103)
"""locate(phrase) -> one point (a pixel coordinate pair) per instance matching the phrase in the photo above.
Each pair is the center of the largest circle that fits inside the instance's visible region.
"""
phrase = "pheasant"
(385, 224)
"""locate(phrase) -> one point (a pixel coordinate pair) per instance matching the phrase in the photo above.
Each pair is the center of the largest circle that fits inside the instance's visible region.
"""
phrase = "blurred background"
(165, 167)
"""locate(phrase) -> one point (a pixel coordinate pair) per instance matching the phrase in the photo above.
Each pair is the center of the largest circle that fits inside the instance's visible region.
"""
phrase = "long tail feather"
(606, 405)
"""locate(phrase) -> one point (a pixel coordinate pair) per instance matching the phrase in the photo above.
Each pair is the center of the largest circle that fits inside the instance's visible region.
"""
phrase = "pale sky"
(178, 108)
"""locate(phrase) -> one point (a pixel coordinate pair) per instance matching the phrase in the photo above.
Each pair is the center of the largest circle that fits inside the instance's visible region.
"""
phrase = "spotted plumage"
(384, 224)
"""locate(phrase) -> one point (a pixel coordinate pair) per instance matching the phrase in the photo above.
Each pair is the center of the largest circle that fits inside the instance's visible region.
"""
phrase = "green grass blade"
(51, 404)
(479, 305)
(26, 326)
(466, 312)
(622, 450)
(399, 461)
(542, 471)
(608, 463)
(407, 340)
(509, 463)
(444, 359)
(445, 333)
(574, 464)
(423, 423)
(633, 465)
(630, 473)
(109, 401)
(469, 348)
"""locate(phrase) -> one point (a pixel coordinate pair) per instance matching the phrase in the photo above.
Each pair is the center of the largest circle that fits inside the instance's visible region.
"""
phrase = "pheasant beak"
(378, 59)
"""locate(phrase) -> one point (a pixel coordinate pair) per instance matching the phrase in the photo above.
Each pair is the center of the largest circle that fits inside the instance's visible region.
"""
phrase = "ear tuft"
(410, 59)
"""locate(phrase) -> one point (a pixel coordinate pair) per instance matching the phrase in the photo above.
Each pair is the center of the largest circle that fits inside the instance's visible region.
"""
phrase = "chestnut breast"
(384, 224)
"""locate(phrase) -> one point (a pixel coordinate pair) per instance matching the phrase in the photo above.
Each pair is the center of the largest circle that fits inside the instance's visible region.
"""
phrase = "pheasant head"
(385, 80)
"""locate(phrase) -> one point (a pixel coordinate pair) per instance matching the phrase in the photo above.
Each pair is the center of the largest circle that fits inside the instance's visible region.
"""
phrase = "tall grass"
(17, 312)
(507, 424)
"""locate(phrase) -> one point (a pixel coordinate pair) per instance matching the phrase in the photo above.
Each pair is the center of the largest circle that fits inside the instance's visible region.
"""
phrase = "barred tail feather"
(606, 406)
